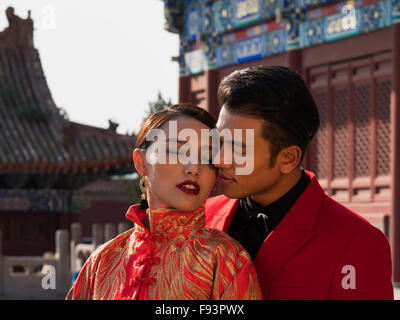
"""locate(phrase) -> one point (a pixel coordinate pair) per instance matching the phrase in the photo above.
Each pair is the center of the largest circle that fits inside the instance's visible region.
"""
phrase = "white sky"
(103, 59)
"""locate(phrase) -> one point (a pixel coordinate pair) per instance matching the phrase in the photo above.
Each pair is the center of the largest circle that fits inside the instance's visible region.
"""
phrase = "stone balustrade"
(36, 277)
(50, 276)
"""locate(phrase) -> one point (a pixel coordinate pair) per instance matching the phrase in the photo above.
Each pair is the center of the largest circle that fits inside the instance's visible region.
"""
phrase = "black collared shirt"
(253, 223)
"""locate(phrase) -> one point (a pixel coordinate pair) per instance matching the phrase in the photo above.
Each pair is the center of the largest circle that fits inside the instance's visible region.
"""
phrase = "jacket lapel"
(277, 249)
(222, 213)
(291, 234)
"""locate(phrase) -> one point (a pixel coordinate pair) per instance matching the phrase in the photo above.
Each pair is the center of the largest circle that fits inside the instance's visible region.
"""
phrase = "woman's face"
(173, 184)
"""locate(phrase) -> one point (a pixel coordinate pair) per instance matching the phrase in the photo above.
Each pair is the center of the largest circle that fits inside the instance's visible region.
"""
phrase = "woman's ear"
(138, 161)
(290, 158)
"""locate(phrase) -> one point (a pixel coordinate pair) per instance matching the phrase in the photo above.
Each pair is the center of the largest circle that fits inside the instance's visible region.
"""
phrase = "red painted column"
(184, 89)
(294, 62)
(211, 92)
(395, 153)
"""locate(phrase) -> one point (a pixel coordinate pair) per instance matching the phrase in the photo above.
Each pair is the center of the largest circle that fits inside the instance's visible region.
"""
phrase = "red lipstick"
(189, 187)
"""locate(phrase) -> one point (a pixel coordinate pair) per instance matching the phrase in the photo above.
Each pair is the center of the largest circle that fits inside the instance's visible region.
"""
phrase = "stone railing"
(80, 251)
(37, 277)
(50, 276)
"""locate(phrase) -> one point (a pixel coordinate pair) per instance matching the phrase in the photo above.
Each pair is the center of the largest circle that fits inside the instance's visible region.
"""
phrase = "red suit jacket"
(319, 250)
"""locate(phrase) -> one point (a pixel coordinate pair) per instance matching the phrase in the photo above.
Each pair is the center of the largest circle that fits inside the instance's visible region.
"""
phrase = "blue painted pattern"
(210, 26)
(251, 48)
(368, 18)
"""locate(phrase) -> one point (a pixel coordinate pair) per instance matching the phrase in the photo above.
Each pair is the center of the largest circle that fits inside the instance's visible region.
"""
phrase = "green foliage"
(63, 113)
(158, 105)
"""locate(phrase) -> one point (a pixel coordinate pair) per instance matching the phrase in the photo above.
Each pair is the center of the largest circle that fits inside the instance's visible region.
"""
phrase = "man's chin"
(233, 193)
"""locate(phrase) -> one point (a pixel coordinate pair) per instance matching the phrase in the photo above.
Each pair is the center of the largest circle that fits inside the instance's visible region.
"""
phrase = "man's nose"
(223, 161)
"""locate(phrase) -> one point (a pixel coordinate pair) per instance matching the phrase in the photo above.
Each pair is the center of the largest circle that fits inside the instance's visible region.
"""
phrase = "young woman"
(170, 253)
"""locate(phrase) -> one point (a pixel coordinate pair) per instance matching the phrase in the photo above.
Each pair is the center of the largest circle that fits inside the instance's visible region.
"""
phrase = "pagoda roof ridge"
(35, 137)
(19, 31)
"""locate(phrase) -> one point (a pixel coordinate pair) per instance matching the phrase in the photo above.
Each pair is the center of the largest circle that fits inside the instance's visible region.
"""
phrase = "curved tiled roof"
(34, 135)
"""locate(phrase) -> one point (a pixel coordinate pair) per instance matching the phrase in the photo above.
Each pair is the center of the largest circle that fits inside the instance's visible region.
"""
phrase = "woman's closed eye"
(203, 160)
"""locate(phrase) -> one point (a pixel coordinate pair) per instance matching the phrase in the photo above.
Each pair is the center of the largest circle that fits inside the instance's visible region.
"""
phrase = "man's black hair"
(280, 97)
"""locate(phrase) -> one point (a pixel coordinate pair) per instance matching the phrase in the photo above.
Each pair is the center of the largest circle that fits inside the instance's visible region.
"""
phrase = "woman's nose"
(192, 169)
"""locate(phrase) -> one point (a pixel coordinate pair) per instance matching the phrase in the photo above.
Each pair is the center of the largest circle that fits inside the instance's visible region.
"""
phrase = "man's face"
(262, 182)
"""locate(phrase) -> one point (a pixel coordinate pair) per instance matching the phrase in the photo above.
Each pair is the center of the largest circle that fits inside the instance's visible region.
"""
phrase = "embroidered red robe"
(176, 257)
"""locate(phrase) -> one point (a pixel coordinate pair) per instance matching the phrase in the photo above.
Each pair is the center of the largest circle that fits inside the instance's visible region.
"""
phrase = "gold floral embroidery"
(178, 257)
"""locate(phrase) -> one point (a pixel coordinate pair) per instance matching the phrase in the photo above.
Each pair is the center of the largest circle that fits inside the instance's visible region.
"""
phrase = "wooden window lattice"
(354, 127)
(340, 136)
(320, 145)
(362, 141)
(383, 127)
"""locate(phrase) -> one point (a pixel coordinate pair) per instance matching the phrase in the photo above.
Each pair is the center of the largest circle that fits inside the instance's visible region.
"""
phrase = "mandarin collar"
(167, 221)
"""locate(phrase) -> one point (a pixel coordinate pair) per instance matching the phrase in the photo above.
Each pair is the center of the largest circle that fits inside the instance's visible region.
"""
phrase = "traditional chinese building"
(44, 158)
(348, 53)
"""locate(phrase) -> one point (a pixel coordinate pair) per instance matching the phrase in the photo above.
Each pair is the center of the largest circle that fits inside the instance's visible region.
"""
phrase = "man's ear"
(289, 158)
(138, 161)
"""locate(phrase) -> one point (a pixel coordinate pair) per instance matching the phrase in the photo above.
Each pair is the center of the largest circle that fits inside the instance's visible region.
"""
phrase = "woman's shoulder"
(111, 248)
(225, 243)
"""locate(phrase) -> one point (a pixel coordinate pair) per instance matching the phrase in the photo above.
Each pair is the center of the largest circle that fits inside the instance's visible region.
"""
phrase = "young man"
(305, 245)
